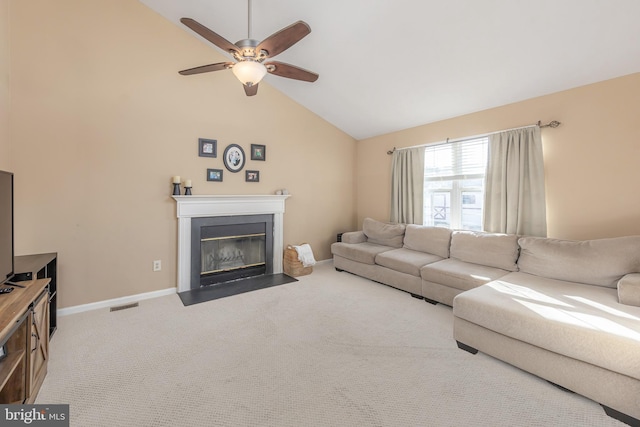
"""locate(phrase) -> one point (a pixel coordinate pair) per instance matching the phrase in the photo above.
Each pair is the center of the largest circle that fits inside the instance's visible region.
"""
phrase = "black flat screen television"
(6, 226)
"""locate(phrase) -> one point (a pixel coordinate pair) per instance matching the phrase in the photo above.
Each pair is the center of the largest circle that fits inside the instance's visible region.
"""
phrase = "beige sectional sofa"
(566, 311)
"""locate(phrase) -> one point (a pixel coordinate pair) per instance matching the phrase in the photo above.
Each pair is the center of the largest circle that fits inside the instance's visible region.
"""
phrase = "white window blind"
(457, 160)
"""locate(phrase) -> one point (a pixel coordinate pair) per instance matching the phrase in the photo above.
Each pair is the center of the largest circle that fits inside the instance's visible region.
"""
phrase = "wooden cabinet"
(24, 332)
(41, 266)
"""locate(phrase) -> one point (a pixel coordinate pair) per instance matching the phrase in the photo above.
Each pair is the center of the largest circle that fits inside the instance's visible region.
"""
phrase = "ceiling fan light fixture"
(249, 72)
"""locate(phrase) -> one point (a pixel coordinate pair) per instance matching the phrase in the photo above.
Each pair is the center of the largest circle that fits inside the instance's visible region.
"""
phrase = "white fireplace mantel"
(225, 205)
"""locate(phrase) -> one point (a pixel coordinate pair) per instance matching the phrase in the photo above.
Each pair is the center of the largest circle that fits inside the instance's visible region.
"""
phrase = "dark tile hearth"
(209, 293)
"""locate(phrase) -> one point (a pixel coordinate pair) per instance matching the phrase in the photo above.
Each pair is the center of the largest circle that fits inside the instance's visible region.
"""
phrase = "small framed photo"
(207, 147)
(214, 174)
(233, 158)
(252, 176)
(258, 152)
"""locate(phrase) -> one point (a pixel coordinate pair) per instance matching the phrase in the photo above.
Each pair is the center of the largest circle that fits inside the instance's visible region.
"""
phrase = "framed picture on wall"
(252, 176)
(233, 158)
(258, 152)
(214, 174)
(207, 147)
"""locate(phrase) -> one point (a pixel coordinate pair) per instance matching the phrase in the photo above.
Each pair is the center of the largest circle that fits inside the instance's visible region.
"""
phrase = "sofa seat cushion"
(406, 260)
(599, 262)
(459, 274)
(490, 249)
(580, 321)
(360, 252)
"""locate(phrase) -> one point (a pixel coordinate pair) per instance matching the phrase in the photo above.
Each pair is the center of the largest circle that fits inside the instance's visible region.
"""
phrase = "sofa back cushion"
(490, 249)
(382, 233)
(432, 240)
(600, 262)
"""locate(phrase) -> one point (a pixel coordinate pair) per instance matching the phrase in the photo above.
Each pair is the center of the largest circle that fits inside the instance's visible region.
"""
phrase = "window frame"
(457, 172)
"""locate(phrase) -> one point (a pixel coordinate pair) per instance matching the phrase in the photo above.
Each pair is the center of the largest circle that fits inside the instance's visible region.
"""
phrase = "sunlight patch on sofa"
(603, 307)
(524, 292)
(584, 320)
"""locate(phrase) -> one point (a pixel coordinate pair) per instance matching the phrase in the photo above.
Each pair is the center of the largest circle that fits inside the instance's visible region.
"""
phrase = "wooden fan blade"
(251, 90)
(285, 38)
(290, 71)
(214, 38)
(207, 68)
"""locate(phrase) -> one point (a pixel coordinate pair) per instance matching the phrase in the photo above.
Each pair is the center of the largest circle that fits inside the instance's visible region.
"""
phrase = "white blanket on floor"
(305, 255)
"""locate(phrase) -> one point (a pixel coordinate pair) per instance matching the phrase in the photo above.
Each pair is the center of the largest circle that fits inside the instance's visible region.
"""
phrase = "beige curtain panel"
(407, 186)
(514, 184)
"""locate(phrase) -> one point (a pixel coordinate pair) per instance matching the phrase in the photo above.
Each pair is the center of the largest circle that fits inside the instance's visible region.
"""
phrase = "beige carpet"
(330, 350)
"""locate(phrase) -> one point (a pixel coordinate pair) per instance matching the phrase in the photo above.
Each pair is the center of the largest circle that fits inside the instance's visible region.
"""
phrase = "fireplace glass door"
(225, 254)
(231, 248)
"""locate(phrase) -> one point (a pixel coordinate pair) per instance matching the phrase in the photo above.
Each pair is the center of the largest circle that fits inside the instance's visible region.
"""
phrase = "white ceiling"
(387, 65)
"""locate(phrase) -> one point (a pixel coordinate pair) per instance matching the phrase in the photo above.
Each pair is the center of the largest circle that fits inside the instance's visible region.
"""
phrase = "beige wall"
(102, 120)
(5, 148)
(591, 161)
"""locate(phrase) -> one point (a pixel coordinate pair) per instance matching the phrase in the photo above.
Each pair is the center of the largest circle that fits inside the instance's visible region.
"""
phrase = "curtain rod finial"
(551, 124)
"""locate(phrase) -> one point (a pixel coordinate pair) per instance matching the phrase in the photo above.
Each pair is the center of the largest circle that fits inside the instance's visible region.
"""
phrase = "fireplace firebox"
(227, 248)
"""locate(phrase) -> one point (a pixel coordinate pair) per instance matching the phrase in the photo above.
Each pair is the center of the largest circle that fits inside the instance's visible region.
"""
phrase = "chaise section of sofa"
(560, 317)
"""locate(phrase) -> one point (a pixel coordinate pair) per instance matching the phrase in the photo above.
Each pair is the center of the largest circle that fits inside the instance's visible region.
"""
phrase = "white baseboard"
(127, 300)
(115, 301)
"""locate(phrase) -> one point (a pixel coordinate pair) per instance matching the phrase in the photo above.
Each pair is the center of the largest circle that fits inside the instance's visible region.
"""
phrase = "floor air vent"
(123, 307)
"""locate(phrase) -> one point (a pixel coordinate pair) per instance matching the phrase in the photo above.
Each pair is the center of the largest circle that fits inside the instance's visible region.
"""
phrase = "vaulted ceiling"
(388, 65)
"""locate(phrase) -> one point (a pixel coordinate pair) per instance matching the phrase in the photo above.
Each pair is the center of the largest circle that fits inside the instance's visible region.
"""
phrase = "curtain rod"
(551, 124)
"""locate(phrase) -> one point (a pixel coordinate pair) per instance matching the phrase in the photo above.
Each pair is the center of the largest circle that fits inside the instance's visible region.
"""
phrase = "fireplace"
(230, 247)
(228, 208)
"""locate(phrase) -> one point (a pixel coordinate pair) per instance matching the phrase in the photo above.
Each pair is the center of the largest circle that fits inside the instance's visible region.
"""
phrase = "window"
(454, 184)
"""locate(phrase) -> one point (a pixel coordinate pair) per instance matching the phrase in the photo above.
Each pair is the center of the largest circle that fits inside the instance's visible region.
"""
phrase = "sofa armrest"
(354, 237)
(629, 289)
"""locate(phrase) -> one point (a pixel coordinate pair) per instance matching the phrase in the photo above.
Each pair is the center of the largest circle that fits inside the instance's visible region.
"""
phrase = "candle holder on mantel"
(176, 185)
(187, 191)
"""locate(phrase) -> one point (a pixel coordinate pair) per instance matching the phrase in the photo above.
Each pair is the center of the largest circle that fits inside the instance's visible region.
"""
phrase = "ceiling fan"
(250, 54)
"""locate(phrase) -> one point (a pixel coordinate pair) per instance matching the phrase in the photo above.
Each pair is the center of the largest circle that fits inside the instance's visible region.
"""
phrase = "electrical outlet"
(157, 265)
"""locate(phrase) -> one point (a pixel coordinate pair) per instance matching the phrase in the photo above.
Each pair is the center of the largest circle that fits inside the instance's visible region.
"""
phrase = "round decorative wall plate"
(234, 158)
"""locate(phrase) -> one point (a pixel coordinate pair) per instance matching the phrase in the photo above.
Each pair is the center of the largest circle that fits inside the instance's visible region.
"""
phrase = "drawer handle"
(37, 342)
